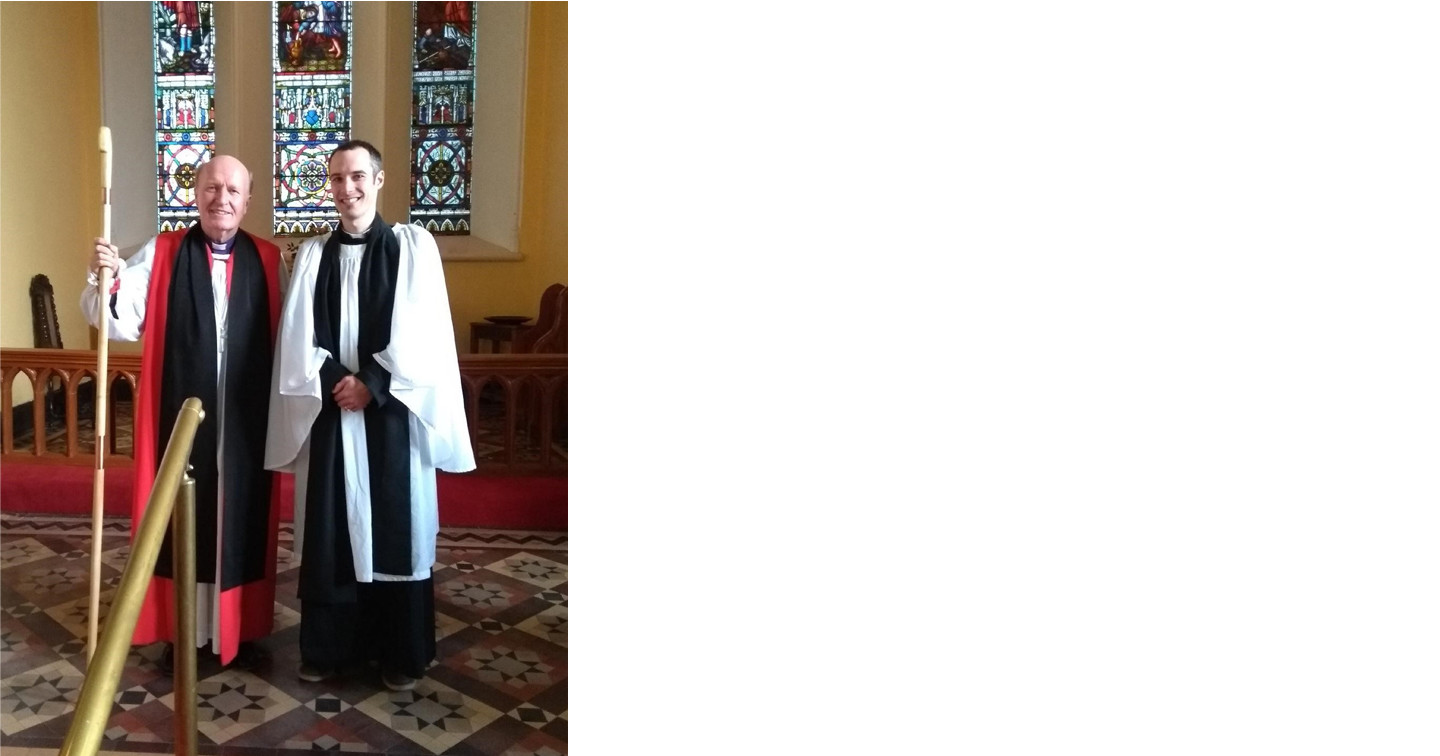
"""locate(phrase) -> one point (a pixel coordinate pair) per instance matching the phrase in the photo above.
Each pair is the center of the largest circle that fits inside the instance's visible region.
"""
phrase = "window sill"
(474, 249)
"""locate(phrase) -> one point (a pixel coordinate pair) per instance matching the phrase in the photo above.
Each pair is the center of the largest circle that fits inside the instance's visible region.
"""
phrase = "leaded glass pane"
(442, 115)
(184, 40)
(311, 58)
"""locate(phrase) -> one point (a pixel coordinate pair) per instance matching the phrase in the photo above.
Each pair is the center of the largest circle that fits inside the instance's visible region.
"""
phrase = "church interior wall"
(106, 75)
(50, 199)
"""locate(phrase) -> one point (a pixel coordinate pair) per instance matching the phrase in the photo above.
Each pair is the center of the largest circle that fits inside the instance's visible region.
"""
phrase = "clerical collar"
(348, 238)
(221, 248)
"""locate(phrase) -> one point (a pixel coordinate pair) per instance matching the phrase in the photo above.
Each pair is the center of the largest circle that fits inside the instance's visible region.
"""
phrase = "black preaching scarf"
(189, 370)
(328, 571)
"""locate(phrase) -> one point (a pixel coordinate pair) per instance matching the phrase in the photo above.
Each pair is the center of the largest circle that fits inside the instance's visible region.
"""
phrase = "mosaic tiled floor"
(498, 685)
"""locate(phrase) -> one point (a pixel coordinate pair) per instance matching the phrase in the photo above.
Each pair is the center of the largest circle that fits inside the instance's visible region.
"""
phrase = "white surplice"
(424, 376)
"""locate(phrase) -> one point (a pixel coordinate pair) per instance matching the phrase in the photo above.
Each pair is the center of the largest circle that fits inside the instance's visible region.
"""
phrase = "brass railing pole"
(185, 656)
(97, 694)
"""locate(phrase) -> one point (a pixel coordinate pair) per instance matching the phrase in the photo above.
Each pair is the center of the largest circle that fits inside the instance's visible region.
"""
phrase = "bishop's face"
(222, 194)
(355, 187)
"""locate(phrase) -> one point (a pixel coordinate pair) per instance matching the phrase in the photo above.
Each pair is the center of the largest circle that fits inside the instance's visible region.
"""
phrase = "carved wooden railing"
(72, 367)
(515, 407)
(532, 411)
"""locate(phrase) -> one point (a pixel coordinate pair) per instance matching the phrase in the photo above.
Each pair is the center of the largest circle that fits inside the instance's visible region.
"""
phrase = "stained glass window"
(310, 51)
(184, 37)
(442, 123)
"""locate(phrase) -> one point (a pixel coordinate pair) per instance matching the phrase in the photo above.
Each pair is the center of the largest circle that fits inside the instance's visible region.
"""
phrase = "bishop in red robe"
(208, 300)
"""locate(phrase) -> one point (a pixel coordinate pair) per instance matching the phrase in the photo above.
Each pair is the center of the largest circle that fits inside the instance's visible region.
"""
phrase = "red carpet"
(477, 501)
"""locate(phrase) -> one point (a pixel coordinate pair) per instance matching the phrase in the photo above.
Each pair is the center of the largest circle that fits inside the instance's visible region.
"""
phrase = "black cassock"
(343, 620)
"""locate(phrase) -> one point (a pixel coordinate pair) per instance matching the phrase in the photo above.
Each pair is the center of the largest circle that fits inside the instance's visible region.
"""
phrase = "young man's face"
(354, 185)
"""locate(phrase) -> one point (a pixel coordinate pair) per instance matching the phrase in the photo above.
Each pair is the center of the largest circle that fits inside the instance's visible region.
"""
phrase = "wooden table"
(495, 333)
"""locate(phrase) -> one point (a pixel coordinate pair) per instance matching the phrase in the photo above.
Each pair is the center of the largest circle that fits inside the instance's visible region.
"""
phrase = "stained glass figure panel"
(442, 115)
(311, 36)
(444, 36)
(184, 39)
(311, 58)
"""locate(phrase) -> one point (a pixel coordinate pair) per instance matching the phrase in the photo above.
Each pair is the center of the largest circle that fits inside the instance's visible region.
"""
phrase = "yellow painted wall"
(514, 288)
(50, 206)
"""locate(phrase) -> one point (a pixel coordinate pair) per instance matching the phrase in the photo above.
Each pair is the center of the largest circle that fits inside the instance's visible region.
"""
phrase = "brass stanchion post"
(185, 655)
(97, 694)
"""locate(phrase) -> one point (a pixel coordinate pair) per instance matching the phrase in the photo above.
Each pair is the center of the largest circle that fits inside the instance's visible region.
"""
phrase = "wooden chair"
(556, 340)
(547, 336)
(42, 314)
(46, 326)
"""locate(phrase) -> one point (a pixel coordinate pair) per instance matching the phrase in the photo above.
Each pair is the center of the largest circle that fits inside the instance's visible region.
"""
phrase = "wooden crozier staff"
(102, 396)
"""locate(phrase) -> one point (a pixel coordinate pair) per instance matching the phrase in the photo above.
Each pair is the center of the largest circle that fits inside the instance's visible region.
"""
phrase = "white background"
(1005, 378)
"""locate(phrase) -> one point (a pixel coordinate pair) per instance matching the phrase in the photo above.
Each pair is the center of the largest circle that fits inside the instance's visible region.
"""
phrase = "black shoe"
(398, 681)
(167, 659)
(248, 657)
(314, 673)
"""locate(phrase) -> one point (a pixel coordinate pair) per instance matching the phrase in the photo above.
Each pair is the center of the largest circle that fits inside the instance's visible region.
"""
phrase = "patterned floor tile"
(432, 715)
(149, 722)
(20, 609)
(20, 647)
(133, 697)
(44, 581)
(551, 624)
(285, 617)
(463, 561)
(513, 668)
(71, 647)
(499, 686)
(115, 558)
(117, 733)
(537, 744)
(74, 615)
(483, 597)
(532, 569)
(329, 736)
(63, 525)
(232, 702)
(146, 658)
(446, 626)
(327, 705)
(479, 538)
(31, 698)
(22, 551)
(491, 625)
(532, 715)
(327, 744)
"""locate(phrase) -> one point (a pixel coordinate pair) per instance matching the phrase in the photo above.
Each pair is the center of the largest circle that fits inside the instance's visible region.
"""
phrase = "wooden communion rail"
(515, 408)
